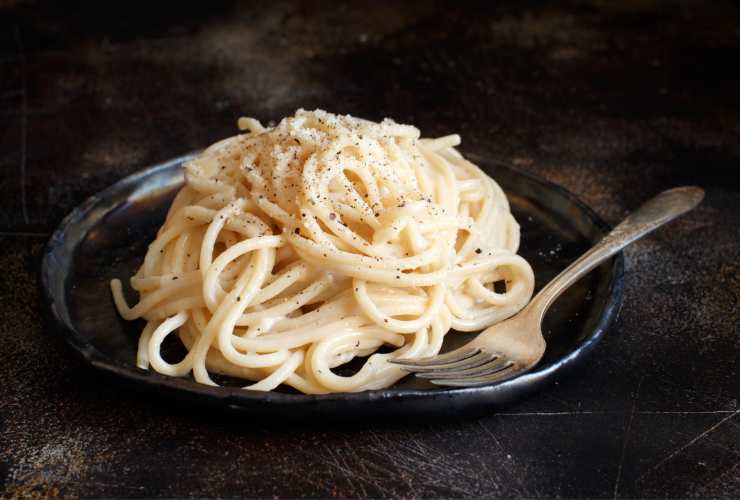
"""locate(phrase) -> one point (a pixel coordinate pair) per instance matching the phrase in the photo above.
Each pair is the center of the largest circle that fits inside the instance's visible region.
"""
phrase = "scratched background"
(613, 100)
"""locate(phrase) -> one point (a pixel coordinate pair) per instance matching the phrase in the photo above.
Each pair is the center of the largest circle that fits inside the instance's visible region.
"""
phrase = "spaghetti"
(292, 250)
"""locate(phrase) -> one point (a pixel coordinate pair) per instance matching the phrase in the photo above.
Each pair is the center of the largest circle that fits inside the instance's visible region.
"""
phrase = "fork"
(516, 345)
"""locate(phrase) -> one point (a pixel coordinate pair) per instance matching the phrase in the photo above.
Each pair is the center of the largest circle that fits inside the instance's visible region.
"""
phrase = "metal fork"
(516, 345)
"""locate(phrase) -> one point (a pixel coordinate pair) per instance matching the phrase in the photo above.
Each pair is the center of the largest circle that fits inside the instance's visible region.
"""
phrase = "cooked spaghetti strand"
(294, 249)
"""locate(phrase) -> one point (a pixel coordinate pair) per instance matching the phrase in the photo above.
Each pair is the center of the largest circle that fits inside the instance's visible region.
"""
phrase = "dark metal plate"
(107, 237)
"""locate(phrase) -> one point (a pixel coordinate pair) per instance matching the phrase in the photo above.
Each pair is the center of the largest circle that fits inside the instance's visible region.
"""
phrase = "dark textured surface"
(614, 101)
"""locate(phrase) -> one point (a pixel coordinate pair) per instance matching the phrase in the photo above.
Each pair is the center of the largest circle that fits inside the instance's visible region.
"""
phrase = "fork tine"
(441, 359)
(496, 364)
(498, 376)
(471, 362)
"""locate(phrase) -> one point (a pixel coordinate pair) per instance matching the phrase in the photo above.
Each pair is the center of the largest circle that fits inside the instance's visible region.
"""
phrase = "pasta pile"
(292, 250)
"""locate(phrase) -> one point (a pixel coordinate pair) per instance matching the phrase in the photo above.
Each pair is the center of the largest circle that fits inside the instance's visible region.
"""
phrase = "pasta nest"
(294, 249)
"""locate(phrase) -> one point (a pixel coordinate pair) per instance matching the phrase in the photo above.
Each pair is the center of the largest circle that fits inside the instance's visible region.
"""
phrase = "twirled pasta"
(292, 250)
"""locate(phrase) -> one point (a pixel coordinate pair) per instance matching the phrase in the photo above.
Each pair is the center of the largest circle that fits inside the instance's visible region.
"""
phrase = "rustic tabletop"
(615, 102)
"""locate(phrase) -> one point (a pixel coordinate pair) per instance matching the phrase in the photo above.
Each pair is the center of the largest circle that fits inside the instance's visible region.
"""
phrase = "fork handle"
(663, 208)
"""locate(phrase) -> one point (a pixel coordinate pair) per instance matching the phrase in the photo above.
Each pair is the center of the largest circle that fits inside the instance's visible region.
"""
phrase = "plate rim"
(240, 398)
